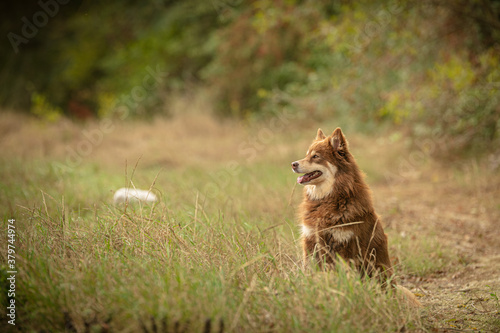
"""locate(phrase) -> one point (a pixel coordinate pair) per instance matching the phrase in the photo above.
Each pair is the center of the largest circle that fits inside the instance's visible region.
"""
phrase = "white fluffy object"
(133, 195)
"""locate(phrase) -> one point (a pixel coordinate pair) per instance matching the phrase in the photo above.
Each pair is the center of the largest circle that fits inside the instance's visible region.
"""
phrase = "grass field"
(220, 251)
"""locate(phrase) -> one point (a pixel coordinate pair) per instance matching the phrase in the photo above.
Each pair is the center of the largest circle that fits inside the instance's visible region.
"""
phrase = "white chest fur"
(339, 234)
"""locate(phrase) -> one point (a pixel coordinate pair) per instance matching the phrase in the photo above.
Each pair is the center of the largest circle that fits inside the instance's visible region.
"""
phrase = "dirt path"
(464, 214)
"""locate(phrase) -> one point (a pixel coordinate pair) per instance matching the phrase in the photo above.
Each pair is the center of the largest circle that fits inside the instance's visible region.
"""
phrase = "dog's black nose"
(295, 165)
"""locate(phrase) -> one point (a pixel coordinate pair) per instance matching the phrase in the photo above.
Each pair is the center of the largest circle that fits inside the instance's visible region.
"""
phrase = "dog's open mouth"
(309, 176)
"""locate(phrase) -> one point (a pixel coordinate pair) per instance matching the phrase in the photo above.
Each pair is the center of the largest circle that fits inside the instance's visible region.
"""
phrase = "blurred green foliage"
(429, 66)
(97, 52)
(42, 108)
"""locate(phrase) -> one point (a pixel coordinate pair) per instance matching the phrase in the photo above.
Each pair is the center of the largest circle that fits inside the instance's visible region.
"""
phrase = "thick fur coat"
(337, 214)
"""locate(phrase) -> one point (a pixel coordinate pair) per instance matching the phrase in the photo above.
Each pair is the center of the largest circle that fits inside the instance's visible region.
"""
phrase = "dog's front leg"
(322, 253)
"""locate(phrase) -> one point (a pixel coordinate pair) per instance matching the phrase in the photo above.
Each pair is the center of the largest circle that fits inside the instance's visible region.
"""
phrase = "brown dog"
(337, 211)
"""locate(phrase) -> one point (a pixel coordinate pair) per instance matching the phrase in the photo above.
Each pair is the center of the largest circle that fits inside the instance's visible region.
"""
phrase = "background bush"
(430, 67)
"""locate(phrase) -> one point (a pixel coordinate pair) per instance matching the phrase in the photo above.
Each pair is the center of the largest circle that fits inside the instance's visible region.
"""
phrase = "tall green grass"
(191, 262)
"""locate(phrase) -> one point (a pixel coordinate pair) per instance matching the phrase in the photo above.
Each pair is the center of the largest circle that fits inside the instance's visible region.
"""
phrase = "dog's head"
(324, 158)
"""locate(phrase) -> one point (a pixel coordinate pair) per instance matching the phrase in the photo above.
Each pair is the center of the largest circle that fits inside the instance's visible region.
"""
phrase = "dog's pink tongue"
(300, 179)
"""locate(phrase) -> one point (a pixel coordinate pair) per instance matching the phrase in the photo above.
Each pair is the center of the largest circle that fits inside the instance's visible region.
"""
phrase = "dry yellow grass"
(442, 222)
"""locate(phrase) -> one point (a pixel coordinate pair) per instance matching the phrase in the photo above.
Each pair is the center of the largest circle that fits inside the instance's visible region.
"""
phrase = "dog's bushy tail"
(408, 297)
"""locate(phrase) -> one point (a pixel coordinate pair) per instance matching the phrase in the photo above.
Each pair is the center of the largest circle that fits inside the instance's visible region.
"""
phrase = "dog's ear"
(338, 141)
(320, 135)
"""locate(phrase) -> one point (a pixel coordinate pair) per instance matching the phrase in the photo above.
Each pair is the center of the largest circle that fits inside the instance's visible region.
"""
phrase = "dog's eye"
(315, 156)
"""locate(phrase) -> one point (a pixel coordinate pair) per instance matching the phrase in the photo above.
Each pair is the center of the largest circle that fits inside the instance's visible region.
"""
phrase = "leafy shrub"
(430, 67)
(42, 108)
(458, 104)
(263, 49)
(104, 49)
